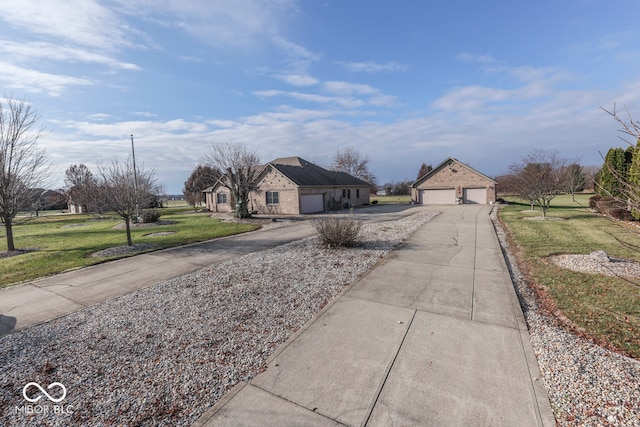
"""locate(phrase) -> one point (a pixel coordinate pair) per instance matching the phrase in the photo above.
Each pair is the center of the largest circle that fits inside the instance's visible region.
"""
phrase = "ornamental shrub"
(150, 216)
(337, 230)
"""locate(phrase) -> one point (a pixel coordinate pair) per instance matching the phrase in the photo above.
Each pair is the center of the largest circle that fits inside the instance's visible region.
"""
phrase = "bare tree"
(239, 168)
(424, 169)
(539, 177)
(202, 177)
(81, 187)
(125, 190)
(23, 165)
(350, 161)
(590, 173)
(574, 179)
(507, 185)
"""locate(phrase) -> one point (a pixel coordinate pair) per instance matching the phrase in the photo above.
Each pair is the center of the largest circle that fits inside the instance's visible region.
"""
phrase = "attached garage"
(453, 182)
(311, 203)
(439, 196)
(475, 195)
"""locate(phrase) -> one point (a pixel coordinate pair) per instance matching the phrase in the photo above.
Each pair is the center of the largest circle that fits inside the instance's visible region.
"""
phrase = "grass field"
(605, 308)
(392, 199)
(63, 242)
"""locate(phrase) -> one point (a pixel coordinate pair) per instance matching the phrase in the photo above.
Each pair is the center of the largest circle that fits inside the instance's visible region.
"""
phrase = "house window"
(357, 193)
(344, 193)
(349, 194)
(273, 197)
(222, 198)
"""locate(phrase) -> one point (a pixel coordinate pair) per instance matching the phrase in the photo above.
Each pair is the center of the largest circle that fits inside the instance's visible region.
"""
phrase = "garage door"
(311, 203)
(439, 197)
(475, 195)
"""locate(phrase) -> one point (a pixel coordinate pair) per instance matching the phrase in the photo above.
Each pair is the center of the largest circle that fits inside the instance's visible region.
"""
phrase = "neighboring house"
(292, 185)
(74, 208)
(453, 182)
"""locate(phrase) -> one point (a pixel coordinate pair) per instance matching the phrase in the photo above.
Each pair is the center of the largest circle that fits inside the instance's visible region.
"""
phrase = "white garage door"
(439, 197)
(311, 203)
(475, 195)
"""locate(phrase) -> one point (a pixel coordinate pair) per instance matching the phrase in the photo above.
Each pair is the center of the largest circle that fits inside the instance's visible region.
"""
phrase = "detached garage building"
(453, 182)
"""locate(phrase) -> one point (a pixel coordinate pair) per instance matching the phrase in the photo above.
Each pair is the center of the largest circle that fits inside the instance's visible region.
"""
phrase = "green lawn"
(63, 242)
(605, 308)
(392, 199)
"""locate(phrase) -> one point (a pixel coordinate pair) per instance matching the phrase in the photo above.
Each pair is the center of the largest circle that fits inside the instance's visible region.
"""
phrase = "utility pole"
(135, 179)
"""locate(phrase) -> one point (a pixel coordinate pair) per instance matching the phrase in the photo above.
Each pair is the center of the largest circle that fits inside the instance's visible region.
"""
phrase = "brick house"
(453, 182)
(292, 185)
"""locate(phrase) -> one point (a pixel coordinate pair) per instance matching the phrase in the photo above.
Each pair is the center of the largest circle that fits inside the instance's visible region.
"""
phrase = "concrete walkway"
(39, 301)
(433, 336)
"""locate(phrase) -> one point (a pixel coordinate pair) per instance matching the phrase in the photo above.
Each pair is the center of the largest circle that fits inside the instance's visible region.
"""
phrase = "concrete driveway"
(433, 336)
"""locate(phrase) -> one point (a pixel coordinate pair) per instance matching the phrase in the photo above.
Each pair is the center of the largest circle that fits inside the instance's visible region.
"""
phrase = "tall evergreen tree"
(613, 173)
(634, 179)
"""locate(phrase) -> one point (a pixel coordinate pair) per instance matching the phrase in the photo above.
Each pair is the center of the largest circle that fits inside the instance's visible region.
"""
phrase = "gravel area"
(587, 384)
(123, 250)
(598, 263)
(163, 355)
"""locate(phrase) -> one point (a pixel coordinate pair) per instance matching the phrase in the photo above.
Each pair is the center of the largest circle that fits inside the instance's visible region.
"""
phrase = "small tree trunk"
(9, 232)
(128, 227)
(242, 210)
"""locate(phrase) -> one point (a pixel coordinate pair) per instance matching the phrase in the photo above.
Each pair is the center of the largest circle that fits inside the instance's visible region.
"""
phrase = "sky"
(402, 82)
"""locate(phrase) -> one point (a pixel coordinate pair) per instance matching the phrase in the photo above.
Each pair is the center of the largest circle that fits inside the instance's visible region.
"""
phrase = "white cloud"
(16, 77)
(48, 35)
(144, 129)
(346, 88)
(476, 58)
(348, 95)
(79, 22)
(39, 51)
(527, 83)
(297, 79)
(221, 23)
(374, 67)
(98, 116)
(268, 93)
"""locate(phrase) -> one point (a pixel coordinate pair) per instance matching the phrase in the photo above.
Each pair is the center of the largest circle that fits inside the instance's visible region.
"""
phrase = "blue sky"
(403, 82)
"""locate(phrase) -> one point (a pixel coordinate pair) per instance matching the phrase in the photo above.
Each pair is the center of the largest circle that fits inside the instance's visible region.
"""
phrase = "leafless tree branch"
(23, 165)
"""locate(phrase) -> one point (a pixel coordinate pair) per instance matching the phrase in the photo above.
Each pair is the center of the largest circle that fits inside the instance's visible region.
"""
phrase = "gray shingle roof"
(448, 161)
(304, 173)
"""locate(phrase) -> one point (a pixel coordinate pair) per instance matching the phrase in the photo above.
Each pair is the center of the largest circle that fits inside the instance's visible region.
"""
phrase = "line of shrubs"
(611, 206)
